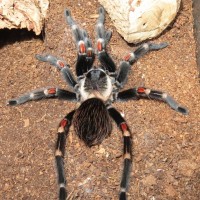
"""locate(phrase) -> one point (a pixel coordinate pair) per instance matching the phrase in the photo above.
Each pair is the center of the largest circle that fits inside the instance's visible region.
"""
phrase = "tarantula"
(96, 88)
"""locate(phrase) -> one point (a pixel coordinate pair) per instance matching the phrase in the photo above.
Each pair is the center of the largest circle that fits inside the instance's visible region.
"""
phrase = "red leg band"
(82, 48)
(63, 123)
(124, 126)
(60, 63)
(141, 90)
(52, 91)
(127, 57)
(99, 46)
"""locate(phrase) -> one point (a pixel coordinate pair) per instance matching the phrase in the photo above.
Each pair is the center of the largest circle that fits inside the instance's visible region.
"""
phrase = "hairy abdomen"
(92, 122)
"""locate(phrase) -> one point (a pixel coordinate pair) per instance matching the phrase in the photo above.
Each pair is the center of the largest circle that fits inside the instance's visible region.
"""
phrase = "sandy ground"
(166, 144)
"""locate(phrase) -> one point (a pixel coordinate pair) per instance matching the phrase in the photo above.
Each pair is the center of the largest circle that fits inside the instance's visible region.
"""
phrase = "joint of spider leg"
(157, 94)
(122, 189)
(50, 91)
(143, 91)
(115, 94)
(76, 90)
(129, 57)
(62, 125)
(74, 27)
(118, 85)
(89, 52)
(100, 25)
(82, 47)
(62, 185)
(111, 74)
(100, 45)
(58, 153)
(146, 46)
(61, 64)
(127, 156)
(108, 103)
(125, 129)
(79, 78)
(61, 138)
(164, 95)
(32, 95)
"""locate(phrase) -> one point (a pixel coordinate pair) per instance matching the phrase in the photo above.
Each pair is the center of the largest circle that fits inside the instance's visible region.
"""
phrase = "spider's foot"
(182, 110)
(153, 46)
(174, 105)
(101, 18)
(69, 19)
(12, 102)
(18, 101)
(42, 58)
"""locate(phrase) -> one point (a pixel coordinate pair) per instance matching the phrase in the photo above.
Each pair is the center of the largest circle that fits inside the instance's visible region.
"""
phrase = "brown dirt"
(165, 143)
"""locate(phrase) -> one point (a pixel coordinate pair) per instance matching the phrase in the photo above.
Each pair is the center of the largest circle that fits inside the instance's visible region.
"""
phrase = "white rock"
(138, 20)
(28, 14)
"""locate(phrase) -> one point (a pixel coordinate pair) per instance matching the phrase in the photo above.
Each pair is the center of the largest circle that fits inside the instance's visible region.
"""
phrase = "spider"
(96, 89)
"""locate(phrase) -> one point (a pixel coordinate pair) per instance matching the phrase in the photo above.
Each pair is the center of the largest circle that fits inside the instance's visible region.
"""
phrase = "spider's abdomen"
(92, 122)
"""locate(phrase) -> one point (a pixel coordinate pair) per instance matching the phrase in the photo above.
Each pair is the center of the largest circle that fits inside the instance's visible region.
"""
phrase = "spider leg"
(142, 50)
(61, 66)
(103, 37)
(125, 66)
(116, 116)
(86, 54)
(122, 74)
(142, 92)
(43, 93)
(63, 131)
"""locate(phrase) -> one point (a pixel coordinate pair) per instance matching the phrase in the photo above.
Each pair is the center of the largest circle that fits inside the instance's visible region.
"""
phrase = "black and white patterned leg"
(61, 66)
(63, 131)
(103, 37)
(52, 60)
(142, 92)
(86, 54)
(127, 150)
(42, 94)
(122, 74)
(142, 50)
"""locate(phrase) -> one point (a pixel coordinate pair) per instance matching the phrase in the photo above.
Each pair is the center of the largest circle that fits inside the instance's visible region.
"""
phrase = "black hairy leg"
(142, 50)
(42, 94)
(130, 58)
(61, 66)
(103, 37)
(63, 131)
(86, 54)
(120, 121)
(122, 74)
(143, 92)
